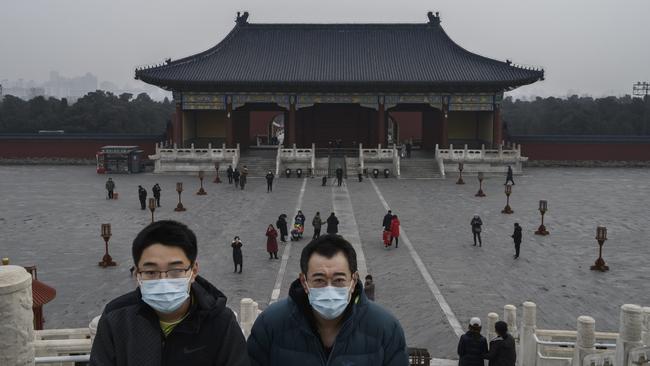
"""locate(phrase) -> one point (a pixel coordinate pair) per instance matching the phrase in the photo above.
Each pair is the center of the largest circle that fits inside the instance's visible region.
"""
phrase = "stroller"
(297, 231)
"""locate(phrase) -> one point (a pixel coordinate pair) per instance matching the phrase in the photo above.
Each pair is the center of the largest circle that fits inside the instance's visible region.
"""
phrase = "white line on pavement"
(275, 295)
(349, 230)
(451, 317)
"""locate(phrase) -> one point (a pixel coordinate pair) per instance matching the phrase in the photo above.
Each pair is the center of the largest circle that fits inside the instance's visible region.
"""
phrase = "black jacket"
(281, 224)
(142, 194)
(386, 223)
(285, 335)
(517, 235)
(332, 225)
(129, 333)
(502, 351)
(471, 348)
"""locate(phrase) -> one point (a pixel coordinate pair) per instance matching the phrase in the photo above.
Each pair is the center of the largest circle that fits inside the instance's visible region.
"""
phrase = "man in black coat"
(387, 220)
(188, 326)
(516, 236)
(509, 176)
(339, 176)
(142, 195)
(332, 224)
(269, 181)
(156, 193)
(502, 347)
(281, 224)
(476, 224)
(229, 173)
(472, 345)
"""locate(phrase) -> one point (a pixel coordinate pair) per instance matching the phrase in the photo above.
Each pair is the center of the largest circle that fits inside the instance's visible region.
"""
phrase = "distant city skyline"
(586, 47)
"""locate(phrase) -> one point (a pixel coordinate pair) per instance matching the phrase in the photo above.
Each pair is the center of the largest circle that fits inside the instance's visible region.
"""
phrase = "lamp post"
(507, 209)
(201, 191)
(480, 185)
(179, 189)
(460, 174)
(216, 167)
(152, 207)
(543, 207)
(107, 261)
(601, 236)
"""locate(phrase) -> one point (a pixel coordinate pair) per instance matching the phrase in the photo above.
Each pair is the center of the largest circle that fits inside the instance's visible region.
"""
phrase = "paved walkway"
(51, 217)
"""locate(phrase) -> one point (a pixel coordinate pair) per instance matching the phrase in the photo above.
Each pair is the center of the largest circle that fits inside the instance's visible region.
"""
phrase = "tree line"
(577, 116)
(104, 112)
(96, 112)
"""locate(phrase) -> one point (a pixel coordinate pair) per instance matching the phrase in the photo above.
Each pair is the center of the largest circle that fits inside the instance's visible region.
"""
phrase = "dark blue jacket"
(285, 335)
(471, 348)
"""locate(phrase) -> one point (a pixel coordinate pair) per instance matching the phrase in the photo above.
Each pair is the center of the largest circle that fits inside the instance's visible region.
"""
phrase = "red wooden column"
(444, 133)
(496, 126)
(381, 124)
(230, 137)
(178, 126)
(291, 128)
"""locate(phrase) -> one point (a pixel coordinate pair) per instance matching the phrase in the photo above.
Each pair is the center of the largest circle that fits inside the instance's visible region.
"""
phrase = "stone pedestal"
(629, 333)
(248, 313)
(586, 338)
(646, 326)
(16, 317)
(493, 318)
(510, 317)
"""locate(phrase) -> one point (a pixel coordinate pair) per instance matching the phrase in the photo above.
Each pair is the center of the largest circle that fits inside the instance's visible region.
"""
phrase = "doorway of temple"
(276, 130)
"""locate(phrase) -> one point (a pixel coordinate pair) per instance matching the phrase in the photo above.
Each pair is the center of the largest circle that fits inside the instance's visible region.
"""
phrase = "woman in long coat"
(272, 242)
(237, 257)
(394, 230)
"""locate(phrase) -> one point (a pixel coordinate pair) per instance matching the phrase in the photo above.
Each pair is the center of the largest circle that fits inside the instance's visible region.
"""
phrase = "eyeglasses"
(170, 273)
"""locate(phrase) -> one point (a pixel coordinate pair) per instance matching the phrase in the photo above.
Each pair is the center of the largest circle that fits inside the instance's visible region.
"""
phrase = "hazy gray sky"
(597, 47)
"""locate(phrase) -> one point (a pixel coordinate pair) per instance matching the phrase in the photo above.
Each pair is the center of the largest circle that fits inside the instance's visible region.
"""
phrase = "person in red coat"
(272, 242)
(394, 230)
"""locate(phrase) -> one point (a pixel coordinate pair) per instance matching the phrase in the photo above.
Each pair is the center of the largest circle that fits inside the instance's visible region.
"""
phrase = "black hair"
(501, 327)
(328, 246)
(368, 277)
(166, 232)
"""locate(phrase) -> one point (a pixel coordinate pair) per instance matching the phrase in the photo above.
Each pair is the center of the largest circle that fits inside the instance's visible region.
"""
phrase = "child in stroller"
(297, 231)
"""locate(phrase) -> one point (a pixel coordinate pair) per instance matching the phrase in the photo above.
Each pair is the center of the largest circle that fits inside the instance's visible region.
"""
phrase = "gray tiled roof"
(343, 56)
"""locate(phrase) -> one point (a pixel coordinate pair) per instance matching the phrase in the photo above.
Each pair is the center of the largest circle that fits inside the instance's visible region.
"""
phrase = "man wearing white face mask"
(174, 317)
(327, 319)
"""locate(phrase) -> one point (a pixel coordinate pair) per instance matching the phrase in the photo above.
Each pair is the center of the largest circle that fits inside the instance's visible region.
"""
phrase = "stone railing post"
(510, 317)
(451, 151)
(437, 151)
(92, 327)
(465, 152)
(482, 151)
(528, 354)
(493, 318)
(586, 338)
(16, 317)
(500, 151)
(361, 157)
(629, 332)
(313, 159)
(646, 328)
(248, 312)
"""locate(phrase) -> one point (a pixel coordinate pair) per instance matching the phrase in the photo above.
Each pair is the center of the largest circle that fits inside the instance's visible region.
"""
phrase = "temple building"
(353, 84)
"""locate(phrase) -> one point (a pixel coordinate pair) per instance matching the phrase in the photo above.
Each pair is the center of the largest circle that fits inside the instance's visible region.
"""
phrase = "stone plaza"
(51, 217)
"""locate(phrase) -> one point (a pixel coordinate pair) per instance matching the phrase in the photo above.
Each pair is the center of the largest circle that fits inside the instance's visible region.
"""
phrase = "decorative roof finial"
(242, 19)
(434, 19)
(508, 62)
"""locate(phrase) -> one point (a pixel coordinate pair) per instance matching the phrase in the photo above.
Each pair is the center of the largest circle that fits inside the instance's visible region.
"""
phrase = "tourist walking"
(472, 346)
(142, 195)
(235, 177)
(324, 181)
(300, 218)
(272, 242)
(269, 181)
(110, 188)
(156, 193)
(229, 173)
(394, 231)
(339, 176)
(387, 220)
(516, 236)
(509, 176)
(332, 224)
(237, 257)
(316, 222)
(409, 146)
(282, 225)
(244, 175)
(502, 348)
(476, 229)
(369, 288)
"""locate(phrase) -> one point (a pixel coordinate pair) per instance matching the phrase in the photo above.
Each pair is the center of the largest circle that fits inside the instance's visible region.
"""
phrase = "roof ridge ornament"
(242, 19)
(434, 19)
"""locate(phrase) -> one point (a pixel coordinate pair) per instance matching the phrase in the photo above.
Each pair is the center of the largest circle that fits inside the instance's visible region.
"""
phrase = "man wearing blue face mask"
(327, 319)
(174, 317)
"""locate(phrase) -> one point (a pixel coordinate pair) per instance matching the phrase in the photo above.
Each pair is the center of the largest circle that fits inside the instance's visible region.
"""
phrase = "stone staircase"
(258, 162)
(419, 167)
